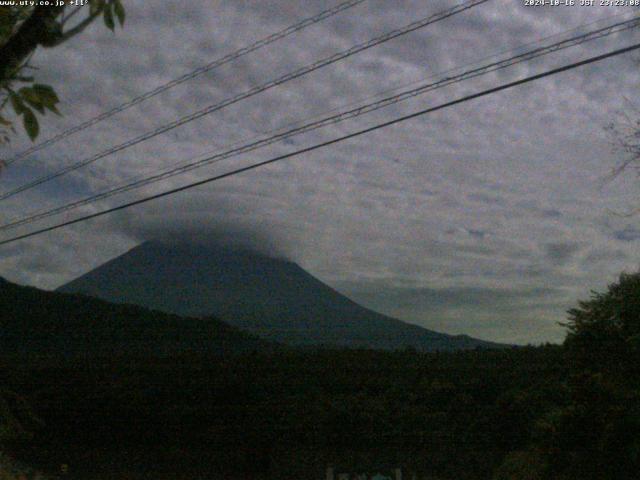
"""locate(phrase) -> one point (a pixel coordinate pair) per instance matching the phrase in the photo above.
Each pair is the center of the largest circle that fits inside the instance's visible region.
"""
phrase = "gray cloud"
(560, 252)
(627, 234)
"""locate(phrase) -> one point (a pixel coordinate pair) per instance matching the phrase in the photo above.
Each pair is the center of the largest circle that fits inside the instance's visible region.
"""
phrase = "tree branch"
(66, 18)
(77, 29)
(26, 39)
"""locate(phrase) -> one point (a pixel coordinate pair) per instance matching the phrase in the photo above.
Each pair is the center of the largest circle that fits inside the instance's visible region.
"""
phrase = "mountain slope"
(272, 298)
(38, 323)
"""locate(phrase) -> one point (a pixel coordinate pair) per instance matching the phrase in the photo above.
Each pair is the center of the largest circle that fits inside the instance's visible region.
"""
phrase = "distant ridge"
(39, 324)
(272, 298)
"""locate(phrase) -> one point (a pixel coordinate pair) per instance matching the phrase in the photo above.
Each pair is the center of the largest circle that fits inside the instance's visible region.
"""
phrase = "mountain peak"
(267, 296)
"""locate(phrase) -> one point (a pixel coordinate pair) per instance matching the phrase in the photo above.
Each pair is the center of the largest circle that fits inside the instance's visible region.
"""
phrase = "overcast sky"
(489, 218)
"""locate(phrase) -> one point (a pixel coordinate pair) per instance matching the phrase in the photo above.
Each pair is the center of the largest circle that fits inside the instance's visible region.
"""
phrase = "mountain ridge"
(36, 323)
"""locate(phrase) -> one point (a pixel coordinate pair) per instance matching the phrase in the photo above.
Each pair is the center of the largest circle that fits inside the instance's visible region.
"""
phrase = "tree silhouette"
(604, 331)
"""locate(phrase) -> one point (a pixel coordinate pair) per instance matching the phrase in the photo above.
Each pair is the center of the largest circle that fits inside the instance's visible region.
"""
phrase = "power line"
(473, 73)
(307, 22)
(251, 92)
(615, 28)
(329, 142)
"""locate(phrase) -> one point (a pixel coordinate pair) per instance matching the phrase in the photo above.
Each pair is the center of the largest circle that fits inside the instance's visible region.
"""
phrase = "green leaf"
(46, 94)
(5, 31)
(7, 23)
(96, 6)
(31, 124)
(17, 103)
(119, 10)
(108, 17)
(54, 109)
(38, 106)
(32, 98)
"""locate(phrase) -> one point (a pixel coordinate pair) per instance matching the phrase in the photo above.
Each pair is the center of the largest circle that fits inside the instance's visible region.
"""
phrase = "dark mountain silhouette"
(36, 323)
(272, 298)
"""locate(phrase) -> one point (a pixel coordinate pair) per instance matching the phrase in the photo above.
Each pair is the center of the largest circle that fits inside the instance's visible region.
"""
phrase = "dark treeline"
(551, 412)
(289, 414)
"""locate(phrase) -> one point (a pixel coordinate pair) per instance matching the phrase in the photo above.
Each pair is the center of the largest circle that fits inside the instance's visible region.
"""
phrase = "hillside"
(50, 324)
(273, 298)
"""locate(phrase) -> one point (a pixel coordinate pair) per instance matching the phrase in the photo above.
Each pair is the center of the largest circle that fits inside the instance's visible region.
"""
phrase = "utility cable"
(307, 22)
(576, 40)
(317, 146)
(249, 93)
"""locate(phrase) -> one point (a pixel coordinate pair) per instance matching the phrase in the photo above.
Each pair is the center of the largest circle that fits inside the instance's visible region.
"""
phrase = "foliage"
(17, 423)
(522, 465)
(128, 392)
(10, 469)
(288, 414)
(22, 30)
(597, 434)
(17, 419)
(604, 331)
